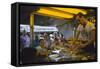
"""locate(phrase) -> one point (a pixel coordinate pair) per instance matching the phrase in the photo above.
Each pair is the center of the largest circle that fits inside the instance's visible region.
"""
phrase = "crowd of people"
(48, 40)
(43, 43)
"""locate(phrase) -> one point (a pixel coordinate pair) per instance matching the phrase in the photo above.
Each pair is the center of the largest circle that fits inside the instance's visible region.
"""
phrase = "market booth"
(44, 36)
(54, 12)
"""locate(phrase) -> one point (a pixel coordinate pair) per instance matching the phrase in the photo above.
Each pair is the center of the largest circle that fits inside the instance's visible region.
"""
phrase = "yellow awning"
(71, 10)
(57, 12)
(54, 13)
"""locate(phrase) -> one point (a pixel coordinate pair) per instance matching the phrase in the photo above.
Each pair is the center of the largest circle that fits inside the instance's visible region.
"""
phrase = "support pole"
(31, 29)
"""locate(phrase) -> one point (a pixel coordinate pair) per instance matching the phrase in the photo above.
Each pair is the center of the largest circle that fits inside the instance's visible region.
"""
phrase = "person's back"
(28, 55)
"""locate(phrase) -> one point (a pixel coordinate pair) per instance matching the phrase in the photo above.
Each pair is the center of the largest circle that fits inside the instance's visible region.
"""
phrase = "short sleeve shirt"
(85, 31)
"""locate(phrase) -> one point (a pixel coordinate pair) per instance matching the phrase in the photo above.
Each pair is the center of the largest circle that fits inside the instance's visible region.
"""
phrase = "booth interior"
(56, 34)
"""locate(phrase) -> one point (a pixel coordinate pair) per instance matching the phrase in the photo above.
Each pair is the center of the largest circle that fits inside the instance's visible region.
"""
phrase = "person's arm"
(79, 28)
(78, 31)
(77, 35)
(92, 36)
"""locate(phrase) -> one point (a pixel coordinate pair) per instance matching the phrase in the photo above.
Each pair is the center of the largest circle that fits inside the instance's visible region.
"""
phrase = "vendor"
(86, 31)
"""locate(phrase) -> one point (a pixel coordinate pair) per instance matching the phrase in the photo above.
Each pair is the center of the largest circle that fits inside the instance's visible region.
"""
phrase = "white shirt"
(85, 31)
